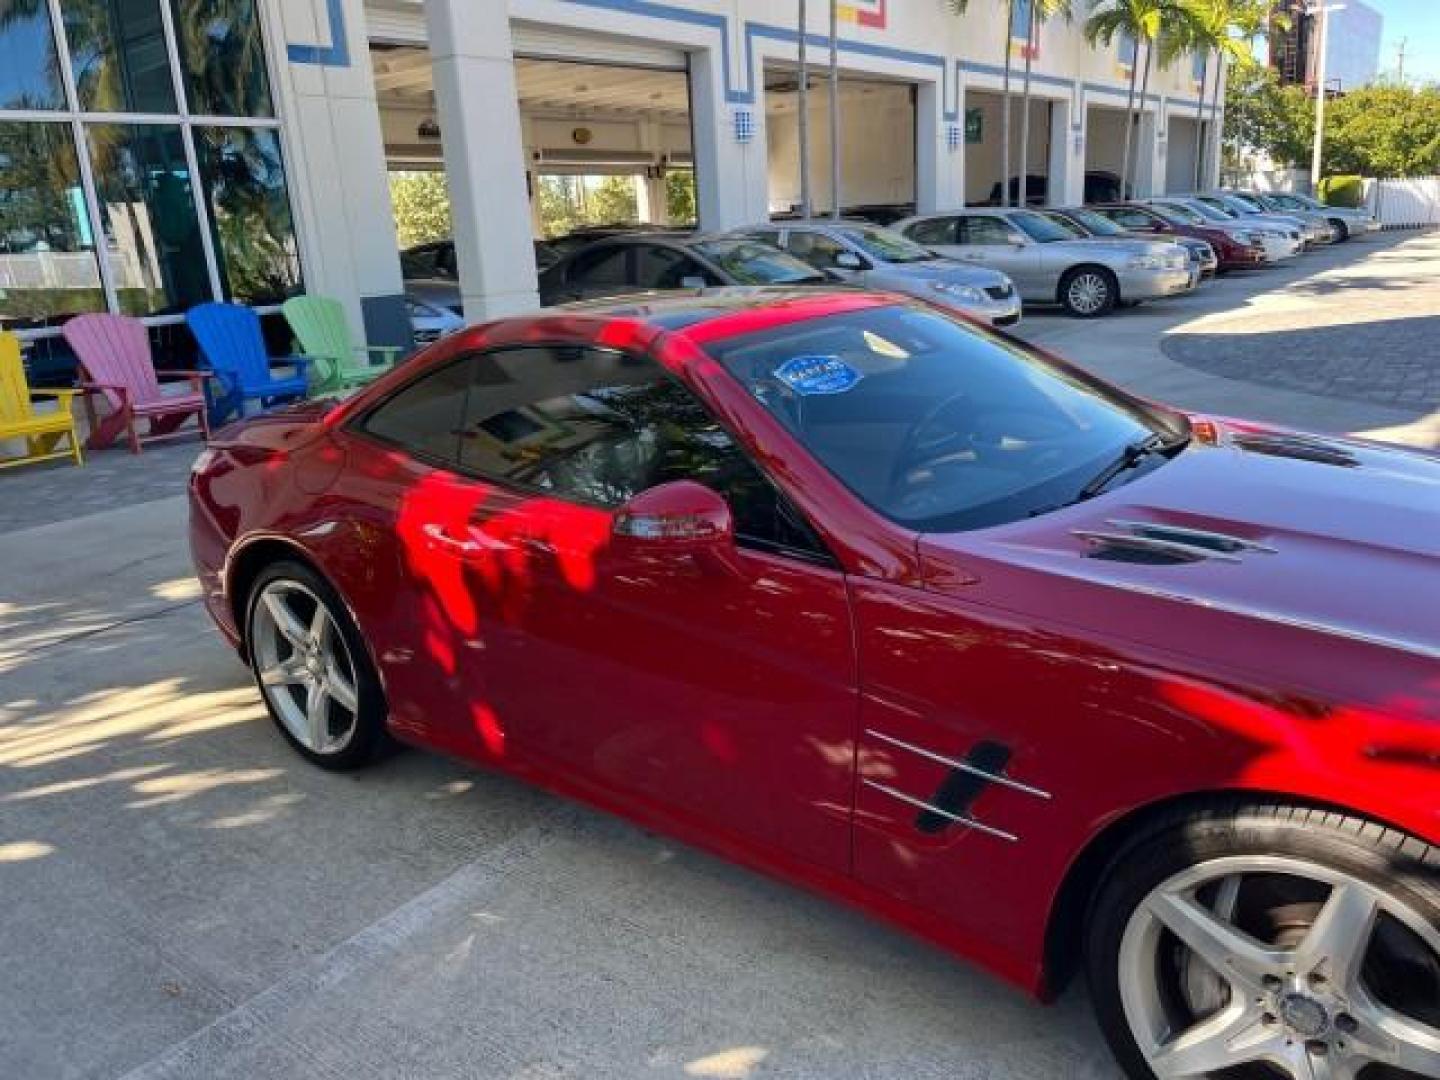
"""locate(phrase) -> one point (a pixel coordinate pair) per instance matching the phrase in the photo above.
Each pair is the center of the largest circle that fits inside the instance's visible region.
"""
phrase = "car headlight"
(959, 292)
(1147, 262)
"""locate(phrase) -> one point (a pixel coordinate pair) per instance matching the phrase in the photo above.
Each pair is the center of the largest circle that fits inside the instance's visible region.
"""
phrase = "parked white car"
(875, 258)
(1049, 265)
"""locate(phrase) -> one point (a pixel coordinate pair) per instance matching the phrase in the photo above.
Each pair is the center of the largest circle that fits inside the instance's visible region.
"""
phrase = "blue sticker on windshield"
(813, 375)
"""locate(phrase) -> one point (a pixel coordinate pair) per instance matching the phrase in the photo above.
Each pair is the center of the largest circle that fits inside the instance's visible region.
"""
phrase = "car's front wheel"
(1342, 229)
(313, 670)
(1087, 292)
(1270, 943)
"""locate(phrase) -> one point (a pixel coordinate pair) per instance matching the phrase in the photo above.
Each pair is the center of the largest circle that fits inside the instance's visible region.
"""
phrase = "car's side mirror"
(848, 260)
(681, 517)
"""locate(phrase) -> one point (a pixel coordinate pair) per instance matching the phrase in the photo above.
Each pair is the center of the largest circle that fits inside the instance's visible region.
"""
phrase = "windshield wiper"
(1131, 456)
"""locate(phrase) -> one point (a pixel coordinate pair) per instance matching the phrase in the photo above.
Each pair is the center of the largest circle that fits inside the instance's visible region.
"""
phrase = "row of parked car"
(985, 262)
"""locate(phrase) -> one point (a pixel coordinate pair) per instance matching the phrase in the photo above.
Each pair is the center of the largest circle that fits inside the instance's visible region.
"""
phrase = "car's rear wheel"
(1087, 292)
(312, 668)
(1270, 943)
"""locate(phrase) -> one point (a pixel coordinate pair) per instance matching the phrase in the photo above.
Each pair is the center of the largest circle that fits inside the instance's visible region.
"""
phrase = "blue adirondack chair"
(234, 348)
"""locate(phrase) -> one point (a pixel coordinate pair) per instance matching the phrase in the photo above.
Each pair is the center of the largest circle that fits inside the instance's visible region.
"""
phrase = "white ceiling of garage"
(402, 77)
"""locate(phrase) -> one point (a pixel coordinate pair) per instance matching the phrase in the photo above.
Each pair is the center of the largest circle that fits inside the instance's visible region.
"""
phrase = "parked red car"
(904, 611)
(1232, 254)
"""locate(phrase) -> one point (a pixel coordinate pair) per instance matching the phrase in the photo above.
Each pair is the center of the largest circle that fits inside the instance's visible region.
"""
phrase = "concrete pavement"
(183, 897)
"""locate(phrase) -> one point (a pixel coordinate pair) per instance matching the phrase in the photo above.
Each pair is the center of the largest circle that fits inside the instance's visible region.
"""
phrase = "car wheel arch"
(1069, 910)
(248, 561)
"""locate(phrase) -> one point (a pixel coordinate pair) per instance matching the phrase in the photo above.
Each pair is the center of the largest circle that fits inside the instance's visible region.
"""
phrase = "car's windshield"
(1176, 215)
(750, 263)
(934, 424)
(884, 245)
(1040, 228)
(1221, 206)
(1098, 224)
(1074, 231)
(1248, 201)
(1208, 212)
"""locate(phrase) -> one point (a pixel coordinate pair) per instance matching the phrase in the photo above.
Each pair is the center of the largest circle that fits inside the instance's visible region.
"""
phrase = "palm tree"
(1251, 21)
(803, 121)
(1041, 12)
(1148, 23)
(835, 109)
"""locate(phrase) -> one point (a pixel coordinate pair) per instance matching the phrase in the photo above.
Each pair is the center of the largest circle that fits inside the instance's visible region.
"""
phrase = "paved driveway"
(1345, 339)
(184, 898)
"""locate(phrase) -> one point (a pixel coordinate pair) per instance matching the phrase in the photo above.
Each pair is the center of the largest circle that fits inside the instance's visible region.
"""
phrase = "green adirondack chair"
(336, 362)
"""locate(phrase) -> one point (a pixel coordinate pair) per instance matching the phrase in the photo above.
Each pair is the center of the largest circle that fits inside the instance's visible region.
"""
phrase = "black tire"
(1341, 228)
(1403, 866)
(1104, 286)
(369, 737)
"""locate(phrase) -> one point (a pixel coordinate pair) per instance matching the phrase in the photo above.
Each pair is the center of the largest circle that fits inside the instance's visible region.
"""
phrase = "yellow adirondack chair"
(43, 432)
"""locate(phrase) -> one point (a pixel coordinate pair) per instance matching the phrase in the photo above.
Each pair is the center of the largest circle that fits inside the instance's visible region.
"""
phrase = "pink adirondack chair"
(114, 355)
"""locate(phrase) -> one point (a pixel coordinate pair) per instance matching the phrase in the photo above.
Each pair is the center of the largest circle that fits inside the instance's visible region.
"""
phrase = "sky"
(1419, 21)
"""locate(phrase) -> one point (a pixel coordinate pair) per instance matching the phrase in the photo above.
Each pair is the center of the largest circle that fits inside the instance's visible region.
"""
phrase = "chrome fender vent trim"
(1157, 543)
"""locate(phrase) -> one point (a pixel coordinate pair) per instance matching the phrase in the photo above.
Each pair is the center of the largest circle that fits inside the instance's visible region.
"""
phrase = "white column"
(939, 168)
(1067, 154)
(731, 177)
(478, 108)
(336, 167)
(1149, 155)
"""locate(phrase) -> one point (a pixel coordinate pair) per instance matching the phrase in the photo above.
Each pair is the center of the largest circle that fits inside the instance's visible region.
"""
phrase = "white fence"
(1405, 204)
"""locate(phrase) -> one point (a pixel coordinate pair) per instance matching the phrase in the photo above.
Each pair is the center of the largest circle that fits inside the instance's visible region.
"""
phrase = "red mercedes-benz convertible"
(847, 589)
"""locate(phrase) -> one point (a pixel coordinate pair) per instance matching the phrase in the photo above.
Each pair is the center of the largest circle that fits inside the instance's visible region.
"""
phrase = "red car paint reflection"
(937, 727)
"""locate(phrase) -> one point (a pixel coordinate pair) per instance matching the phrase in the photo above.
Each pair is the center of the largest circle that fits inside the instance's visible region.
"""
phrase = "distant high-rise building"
(1352, 45)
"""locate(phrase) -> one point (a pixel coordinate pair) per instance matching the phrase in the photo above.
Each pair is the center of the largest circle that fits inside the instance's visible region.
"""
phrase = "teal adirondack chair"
(336, 362)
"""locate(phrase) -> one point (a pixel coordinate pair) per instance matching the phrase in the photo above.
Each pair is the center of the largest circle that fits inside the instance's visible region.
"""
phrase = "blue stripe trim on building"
(337, 53)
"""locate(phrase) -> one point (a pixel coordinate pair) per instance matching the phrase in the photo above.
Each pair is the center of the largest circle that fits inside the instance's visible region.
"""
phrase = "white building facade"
(335, 93)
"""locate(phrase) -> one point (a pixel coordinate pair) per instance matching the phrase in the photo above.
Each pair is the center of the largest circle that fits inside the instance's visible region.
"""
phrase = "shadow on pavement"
(1394, 362)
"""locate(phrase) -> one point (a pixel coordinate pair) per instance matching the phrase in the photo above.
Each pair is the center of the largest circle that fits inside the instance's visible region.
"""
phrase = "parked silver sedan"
(1347, 222)
(1049, 265)
(877, 258)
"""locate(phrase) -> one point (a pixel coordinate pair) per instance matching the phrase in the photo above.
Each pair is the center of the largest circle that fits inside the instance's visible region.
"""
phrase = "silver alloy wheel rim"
(1088, 293)
(1304, 1010)
(304, 667)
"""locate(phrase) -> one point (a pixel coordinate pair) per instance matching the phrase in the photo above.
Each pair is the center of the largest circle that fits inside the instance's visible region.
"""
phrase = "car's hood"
(946, 270)
(1336, 536)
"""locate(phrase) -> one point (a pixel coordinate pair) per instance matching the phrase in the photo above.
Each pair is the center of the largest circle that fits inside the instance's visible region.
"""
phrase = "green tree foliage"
(1384, 131)
(1378, 131)
(680, 197)
(1262, 115)
(421, 204)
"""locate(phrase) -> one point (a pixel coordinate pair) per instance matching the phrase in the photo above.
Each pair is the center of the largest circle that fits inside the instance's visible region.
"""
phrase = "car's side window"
(817, 249)
(424, 417)
(658, 267)
(599, 427)
(985, 230)
(934, 231)
(607, 264)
